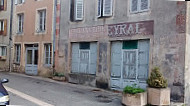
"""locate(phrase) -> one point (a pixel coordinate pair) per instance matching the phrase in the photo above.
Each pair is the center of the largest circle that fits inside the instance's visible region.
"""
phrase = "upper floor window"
(77, 7)
(139, 5)
(105, 8)
(41, 21)
(20, 23)
(3, 5)
(3, 27)
(19, 1)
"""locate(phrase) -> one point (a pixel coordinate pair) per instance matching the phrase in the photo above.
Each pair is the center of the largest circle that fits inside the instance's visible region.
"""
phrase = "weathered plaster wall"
(30, 35)
(167, 44)
(187, 57)
(4, 40)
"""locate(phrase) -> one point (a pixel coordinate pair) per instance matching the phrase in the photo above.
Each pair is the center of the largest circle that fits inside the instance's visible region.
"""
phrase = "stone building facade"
(33, 36)
(114, 43)
(5, 14)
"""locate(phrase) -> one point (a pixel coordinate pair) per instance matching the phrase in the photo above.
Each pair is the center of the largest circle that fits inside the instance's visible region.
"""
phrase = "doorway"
(31, 66)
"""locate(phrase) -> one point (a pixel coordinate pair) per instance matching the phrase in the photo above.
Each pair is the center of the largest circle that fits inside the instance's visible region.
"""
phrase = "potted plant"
(134, 96)
(158, 93)
(58, 76)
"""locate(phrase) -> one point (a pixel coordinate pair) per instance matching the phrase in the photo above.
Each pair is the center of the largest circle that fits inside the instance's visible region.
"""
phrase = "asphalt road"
(34, 91)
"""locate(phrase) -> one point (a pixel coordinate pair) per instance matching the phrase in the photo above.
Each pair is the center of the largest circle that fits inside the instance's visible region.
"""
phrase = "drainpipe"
(10, 36)
(54, 33)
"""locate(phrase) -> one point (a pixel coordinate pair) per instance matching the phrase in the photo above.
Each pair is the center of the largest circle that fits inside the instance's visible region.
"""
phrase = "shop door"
(84, 58)
(31, 66)
(129, 65)
(84, 61)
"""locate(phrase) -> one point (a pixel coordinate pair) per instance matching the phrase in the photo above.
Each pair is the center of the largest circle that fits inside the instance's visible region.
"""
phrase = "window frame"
(48, 49)
(19, 2)
(3, 27)
(101, 9)
(3, 51)
(2, 5)
(139, 10)
(76, 4)
(20, 24)
(42, 17)
(17, 53)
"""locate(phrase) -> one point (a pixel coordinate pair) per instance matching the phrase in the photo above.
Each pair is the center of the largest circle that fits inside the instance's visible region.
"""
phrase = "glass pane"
(144, 4)
(84, 45)
(130, 44)
(36, 57)
(134, 5)
(129, 65)
(29, 57)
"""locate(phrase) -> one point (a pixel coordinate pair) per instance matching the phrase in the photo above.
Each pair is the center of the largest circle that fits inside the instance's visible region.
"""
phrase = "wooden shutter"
(143, 62)
(99, 8)
(5, 28)
(134, 6)
(75, 58)
(107, 7)
(144, 5)
(116, 57)
(79, 9)
(16, 2)
(93, 58)
(5, 5)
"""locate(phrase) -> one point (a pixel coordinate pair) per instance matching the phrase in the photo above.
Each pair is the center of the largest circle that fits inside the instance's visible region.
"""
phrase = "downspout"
(54, 33)
(10, 37)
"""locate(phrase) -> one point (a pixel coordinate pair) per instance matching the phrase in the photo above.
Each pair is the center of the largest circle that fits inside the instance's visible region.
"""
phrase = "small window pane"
(144, 4)
(85, 45)
(130, 44)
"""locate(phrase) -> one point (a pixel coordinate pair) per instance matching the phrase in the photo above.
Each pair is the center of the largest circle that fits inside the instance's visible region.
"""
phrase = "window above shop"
(105, 8)
(41, 21)
(20, 23)
(137, 6)
(3, 27)
(3, 5)
(77, 9)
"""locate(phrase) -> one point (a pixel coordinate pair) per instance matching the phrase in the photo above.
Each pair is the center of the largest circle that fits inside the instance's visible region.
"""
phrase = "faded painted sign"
(129, 29)
(92, 32)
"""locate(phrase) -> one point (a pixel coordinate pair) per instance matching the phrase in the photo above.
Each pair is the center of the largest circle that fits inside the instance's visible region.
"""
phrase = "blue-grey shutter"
(79, 9)
(93, 58)
(143, 65)
(133, 6)
(116, 59)
(107, 7)
(99, 8)
(75, 58)
(144, 5)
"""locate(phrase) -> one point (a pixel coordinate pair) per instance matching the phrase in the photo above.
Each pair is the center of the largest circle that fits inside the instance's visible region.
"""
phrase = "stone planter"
(58, 78)
(158, 96)
(139, 99)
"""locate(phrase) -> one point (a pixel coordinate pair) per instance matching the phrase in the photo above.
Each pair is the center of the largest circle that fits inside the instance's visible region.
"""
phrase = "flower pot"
(59, 78)
(158, 96)
(139, 99)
